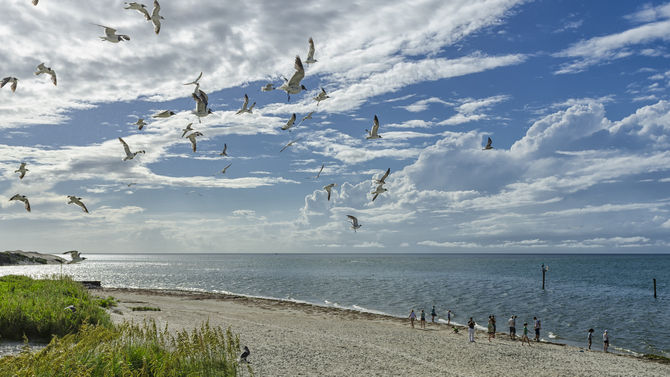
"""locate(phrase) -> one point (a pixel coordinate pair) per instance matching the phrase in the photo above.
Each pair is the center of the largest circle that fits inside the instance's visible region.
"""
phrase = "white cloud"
(422, 105)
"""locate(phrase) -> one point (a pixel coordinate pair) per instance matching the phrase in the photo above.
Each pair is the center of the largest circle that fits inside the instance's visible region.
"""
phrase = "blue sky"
(573, 94)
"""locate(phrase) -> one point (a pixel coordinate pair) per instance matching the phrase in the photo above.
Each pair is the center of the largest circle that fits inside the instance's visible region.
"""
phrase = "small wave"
(551, 335)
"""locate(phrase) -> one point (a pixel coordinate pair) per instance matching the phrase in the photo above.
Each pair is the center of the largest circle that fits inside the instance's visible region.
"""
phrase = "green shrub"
(106, 303)
(145, 309)
(132, 350)
(37, 308)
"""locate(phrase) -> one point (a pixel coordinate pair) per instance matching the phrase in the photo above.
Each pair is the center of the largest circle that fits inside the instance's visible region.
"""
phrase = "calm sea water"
(613, 292)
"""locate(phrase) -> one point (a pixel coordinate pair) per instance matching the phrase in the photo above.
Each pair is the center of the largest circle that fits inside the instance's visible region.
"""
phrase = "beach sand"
(293, 339)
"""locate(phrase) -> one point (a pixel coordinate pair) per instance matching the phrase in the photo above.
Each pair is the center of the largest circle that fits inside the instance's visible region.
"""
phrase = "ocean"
(613, 292)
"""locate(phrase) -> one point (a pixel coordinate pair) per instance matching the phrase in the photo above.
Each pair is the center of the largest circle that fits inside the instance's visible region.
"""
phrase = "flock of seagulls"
(290, 86)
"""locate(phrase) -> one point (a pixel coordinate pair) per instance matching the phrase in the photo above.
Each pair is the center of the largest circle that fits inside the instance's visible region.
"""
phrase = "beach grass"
(145, 309)
(37, 308)
(132, 350)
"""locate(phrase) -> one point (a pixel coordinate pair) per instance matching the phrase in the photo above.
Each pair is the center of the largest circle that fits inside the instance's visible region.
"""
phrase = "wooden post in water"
(654, 288)
(544, 270)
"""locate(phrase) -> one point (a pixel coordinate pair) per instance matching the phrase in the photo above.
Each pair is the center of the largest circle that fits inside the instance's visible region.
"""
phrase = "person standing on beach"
(493, 319)
(589, 337)
(471, 330)
(525, 334)
(490, 328)
(606, 341)
(448, 317)
(537, 325)
(423, 319)
(433, 314)
(512, 327)
(412, 317)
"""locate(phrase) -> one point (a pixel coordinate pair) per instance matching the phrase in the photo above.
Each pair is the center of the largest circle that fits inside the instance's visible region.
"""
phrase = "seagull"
(111, 36)
(328, 188)
(244, 106)
(129, 155)
(75, 255)
(192, 137)
(375, 128)
(308, 116)
(290, 122)
(187, 129)
(200, 94)
(226, 168)
(77, 201)
(22, 169)
(382, 180)
(164, 114)
(195, 82)
(268, 87)
(378, 191)
(201, 109)
(293, 85)
(320, 170)
(44, 69)
(156, 18)
(35, 2)
(310, 54)
(245, 354)
(23, 199)
(488, 144)
(9, 79)
(140, 124)
(225, 147)
(289, 144)
(321, 96)
(140, 8)
(131, 184)
(354, 222)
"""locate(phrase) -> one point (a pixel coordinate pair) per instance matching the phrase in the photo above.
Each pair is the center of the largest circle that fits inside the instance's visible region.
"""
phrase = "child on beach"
(525, 334)
(433, 314)
(412, 317)
(589, 337)
(471, 330)
(537, 325)
(606, 341)
(423, 319)
(490, 328)
(448, 317)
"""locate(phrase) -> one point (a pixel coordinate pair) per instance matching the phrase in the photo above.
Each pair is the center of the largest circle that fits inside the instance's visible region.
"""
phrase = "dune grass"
(36, 308)
(132, 350)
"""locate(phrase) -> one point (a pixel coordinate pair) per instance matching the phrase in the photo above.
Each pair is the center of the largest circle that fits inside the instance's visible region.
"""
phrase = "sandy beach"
(293, 339)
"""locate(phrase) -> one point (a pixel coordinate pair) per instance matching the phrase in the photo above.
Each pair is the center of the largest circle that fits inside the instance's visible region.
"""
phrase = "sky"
(573, 94)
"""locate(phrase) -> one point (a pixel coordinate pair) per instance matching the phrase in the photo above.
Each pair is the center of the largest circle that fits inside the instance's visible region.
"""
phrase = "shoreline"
(297, 338)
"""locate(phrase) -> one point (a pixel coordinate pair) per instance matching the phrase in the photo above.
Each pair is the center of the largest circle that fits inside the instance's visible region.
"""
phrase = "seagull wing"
(488, 143)
(354, 221)
(246, 101)
(126, 147)
(310, 54)
(110, 32)
(299, 73)
(41, 69)
(194, 81)
(320, 170)
(383, 178)
(5, 81)
(375, 126)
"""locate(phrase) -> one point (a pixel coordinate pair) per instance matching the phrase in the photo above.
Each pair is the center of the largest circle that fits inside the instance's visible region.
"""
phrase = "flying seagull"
(378, 190)
(111, 36)
(321, 96)
(310, 54)
(375, 128)
(23, 199)
(354, 222)
(140, 8)
(195, 82)
(245, 354)
(140, 124)
(9, 79)
(488, 144)
(187, 129)
(244, 106)
(201, 109)
(75, 255)
(382, 180)
(164, 114)
(329, 188)
(226, 168)
(22, 169)
(77, 201)
(293, 85)
(192, 137)
(129, 155)
(308, 116)
(225, 148)
(156, 18)
(320, 170)
(44, 69)
(268, 87)
(289, 144)
(290, 122)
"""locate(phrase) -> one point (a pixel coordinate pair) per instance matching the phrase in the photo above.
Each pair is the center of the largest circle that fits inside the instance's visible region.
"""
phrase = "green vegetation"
(36, 308)
(131, 350)
(659, 358)
(106, 303)
(145, 309)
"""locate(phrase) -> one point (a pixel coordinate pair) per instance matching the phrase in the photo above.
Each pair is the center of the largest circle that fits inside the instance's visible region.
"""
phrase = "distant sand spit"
(294, 339)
